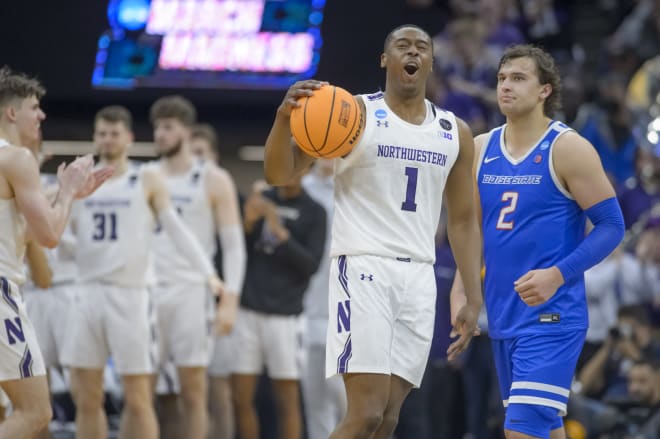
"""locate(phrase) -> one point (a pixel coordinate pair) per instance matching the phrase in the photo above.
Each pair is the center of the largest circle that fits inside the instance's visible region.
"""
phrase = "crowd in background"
(612, 98)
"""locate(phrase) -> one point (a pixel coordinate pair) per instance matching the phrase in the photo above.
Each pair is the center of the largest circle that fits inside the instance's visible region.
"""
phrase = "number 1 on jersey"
(411, 190)
(507, 196)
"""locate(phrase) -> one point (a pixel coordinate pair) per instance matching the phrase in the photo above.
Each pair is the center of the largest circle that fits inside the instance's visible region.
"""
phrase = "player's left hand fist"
(537, 286)
(225, 316)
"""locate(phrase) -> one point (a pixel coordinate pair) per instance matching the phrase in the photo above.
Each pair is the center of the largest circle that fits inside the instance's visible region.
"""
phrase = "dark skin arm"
(283, 160)
(465, 239)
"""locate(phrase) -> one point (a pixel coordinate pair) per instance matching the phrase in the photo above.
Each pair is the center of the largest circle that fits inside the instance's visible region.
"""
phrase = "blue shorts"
(535, 372)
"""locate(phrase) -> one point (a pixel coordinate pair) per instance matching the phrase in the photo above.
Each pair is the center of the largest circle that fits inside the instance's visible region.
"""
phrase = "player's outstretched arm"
(579, 171)
(181, 236)
(227, 215)
(283, 159)
(465, 238)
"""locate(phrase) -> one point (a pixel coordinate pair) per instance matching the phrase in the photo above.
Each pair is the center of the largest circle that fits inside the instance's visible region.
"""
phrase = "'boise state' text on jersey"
(388, 190)
(530, 221)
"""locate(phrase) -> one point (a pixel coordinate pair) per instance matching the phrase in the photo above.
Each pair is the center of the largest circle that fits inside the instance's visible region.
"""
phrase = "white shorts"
(269, 340)
(48, 310)
(223, 357)
(184, 313)
(20, 356)
(167, 382)
(382, 313)
(109, 320)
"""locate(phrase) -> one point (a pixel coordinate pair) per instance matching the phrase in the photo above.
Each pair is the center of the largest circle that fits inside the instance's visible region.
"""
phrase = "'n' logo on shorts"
(344, 316)
(14, 330)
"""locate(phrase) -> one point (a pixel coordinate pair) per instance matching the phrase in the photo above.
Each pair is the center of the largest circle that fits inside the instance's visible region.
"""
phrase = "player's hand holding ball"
(325, 120)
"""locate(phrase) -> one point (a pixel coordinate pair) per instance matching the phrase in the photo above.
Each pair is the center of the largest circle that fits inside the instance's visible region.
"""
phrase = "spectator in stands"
(606, 374)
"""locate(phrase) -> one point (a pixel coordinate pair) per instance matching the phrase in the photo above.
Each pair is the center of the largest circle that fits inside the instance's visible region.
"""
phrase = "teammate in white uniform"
(325, 399)
(388, 195)
(25, 208)
(205, 197)
(112, 313)
(48, 309)
(204, 144)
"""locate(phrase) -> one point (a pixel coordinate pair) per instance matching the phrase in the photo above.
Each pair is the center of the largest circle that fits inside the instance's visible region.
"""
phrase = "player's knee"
(367, 422)
(193, 398)
(530, 420)
(38, 416)
(389, 422)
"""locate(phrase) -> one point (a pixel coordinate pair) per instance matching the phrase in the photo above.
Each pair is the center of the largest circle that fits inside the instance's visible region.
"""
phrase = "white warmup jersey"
(388, 190)
(113, 232)
(12, 239)
(191, 200)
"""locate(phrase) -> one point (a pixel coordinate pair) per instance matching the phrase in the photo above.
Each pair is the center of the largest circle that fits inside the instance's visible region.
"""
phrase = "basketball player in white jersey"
(25, 208)
(388, 195)
(204, 144)
(206, 199)
(112, 313)
(50, 294)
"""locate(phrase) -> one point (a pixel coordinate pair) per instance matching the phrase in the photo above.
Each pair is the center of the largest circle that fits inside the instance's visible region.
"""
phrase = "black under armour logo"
(369, 277)
(382, 123)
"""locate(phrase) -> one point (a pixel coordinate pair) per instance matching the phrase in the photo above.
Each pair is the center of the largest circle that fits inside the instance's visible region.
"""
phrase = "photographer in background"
(605, 375)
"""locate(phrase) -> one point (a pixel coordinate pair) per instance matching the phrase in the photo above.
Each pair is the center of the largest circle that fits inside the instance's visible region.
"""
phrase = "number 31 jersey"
(113, 227)
(388, 190)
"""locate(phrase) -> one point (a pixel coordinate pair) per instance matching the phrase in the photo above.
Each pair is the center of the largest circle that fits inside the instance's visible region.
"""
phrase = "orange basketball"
(327, 124)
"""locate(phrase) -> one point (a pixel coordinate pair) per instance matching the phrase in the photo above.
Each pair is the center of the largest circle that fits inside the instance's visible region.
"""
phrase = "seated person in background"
(606, 374)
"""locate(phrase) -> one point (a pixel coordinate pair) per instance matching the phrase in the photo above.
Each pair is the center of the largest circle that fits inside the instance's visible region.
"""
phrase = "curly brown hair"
(546, 70)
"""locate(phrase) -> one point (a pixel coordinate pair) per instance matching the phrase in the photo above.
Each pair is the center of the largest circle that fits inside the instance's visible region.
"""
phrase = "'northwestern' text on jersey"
(113, 228)
(388, 190)
(530, 221)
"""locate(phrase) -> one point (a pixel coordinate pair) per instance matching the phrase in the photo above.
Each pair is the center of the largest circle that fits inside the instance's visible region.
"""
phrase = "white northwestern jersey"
(191, 200)
(12, 239)
(388, 190)
(113, 232)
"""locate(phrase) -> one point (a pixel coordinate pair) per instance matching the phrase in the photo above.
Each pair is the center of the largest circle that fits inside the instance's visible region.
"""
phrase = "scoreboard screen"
(231, 44)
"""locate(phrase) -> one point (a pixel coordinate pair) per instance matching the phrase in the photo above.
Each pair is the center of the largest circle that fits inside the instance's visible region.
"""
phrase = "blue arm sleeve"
(607, 233)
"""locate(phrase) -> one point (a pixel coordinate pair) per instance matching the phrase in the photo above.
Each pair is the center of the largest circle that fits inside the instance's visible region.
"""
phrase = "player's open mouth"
(411, 68)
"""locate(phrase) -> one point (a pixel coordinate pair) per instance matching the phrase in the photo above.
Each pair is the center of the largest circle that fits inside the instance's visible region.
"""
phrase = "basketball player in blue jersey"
(25, 211)
(112, 313)
(388, 195)
(538, 181)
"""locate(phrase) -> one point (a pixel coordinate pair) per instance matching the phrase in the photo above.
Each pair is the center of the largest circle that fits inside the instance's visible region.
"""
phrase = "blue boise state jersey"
(530, 222)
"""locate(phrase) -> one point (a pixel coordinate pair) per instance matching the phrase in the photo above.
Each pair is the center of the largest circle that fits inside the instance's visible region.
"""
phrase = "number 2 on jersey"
(513, 198)
(411, 190)
(105, 226)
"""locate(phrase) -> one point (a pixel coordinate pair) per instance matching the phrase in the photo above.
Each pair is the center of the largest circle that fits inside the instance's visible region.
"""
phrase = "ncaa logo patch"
(545, 145)
(445, 124)
(380, 113)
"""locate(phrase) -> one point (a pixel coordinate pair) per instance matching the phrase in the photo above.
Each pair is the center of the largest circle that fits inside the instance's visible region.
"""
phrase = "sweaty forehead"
(410, 33)
(522, 64)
